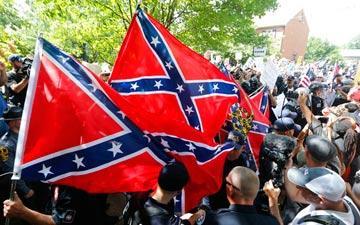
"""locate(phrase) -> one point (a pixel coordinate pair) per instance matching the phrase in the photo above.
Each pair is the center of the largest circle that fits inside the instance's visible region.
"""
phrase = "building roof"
(276, 18)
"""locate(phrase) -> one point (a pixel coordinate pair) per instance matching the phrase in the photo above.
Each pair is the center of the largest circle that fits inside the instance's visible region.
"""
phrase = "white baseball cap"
(319, 180)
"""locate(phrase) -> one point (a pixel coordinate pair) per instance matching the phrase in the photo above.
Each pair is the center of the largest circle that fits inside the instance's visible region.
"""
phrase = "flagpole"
(11, 197)
(138, 3)
(25, 120)
(256, 91)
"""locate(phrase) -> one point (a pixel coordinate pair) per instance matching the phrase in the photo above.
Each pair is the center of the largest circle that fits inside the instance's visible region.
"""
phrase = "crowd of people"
(309, 165)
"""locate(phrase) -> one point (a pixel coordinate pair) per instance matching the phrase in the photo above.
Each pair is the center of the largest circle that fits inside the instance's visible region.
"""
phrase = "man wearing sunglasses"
(242, 186)
(325, 191)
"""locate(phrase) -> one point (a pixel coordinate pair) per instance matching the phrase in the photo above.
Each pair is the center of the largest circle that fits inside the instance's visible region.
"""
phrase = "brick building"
(289, 37)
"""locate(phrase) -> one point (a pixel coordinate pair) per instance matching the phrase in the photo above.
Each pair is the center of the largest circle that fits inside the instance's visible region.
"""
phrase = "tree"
(10, 23)
(354, 43)
(318, 49)
(94, 29)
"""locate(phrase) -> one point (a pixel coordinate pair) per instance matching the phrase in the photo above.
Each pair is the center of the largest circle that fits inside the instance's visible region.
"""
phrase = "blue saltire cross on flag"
(77, 131)
(159, 74)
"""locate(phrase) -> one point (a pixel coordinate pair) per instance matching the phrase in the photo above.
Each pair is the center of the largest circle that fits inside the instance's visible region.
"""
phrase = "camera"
(275, 153)
(25, 69)
(292, 95)
(280, 85)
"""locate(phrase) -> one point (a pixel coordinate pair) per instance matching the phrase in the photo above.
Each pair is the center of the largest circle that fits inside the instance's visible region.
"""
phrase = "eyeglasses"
(236, 188)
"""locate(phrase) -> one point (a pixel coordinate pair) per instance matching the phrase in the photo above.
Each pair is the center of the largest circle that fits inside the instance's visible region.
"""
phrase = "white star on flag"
(45, 170)
(201, 88)
(216, 87)
(191, 146)
(134, 86)
(197, 127)
(158, 84)
(235, 89)
(168, 65)
(93, 88)
(79, 161)
(122, 114)
(255, 127)
(155, 41)
(64, 59)
(115, 149)
(147, 138)
(180, 88)
(189, 110)
(262, 107)
(165, 143)
(176, 200)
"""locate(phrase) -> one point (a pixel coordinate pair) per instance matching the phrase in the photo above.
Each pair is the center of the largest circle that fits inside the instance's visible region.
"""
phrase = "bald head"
(245, 181)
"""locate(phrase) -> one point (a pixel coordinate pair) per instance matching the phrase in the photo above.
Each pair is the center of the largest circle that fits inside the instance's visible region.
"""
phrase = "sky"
(337, 21)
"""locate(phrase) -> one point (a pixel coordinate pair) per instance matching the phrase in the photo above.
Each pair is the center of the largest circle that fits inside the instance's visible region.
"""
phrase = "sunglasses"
(230, 184)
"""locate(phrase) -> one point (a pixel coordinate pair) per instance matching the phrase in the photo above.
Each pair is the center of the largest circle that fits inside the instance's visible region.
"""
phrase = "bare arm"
(292, 192)
(19, 86)
(273, 196)
(304, 108)
(16, 209)
(300, 140)
(340, 92)
(273, 101)
(352, 195)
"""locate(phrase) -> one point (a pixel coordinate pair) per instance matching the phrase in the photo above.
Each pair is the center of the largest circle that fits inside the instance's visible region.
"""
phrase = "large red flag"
(159, 74)
(260, 100)
(260, 127)
(77, 131)
(255, 136)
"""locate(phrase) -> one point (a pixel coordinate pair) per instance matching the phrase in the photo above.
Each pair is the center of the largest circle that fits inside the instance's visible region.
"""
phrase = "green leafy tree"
(10, 22)
(94, 29)
(354, 43)
(318, 49)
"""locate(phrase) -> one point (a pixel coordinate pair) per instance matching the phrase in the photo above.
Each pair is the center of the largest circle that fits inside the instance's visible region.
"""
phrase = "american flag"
(304, 81)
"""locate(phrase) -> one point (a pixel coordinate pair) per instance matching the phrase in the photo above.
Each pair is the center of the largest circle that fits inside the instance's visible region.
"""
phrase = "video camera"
(275, 153)
(25, 69)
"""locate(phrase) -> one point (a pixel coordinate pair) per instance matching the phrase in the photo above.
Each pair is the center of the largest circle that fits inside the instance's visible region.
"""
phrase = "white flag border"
(26, 115)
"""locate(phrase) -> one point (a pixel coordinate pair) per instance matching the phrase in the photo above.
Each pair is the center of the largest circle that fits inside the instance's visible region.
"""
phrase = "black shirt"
(17, 99)
(76, 207)
(160, 214)
(240, 215)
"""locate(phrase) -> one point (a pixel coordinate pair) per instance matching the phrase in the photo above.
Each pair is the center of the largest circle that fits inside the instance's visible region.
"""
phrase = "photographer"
(18, 79)
(275, 152)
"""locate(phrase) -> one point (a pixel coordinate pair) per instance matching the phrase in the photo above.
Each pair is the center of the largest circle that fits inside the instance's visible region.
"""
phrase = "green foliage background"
(318, 49)
(354, 43)
(93, 29)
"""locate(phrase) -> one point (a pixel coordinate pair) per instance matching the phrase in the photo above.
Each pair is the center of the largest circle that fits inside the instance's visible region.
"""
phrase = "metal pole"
(11, 197)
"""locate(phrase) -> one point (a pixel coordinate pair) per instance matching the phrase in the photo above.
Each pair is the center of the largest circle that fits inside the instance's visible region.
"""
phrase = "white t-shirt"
(346, 217)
